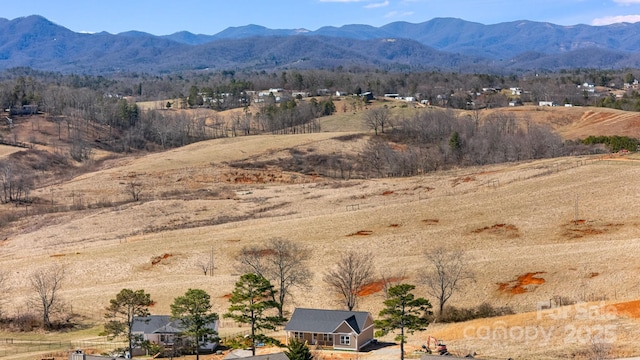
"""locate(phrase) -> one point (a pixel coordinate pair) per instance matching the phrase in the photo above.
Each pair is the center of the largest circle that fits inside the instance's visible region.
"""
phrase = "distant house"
(547, 103)
(367, 95)
(341, 330)
(162, 330)
(24, 110)
(303, 94)
(588, 87)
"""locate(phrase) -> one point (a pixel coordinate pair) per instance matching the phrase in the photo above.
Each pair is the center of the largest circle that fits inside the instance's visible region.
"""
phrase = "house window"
(298, 335)
(345, 340)
(326, 338)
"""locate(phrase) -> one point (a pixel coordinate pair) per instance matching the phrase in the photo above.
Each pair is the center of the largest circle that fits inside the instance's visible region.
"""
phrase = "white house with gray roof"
(341, 330)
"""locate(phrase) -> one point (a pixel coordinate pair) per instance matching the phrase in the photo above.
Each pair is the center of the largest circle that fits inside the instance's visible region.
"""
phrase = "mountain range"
(437, 44)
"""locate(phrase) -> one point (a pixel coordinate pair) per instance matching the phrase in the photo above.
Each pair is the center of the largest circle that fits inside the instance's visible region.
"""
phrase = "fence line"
(10, 346)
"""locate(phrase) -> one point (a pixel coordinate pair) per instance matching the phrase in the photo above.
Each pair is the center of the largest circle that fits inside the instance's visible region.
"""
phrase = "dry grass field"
(532, 231)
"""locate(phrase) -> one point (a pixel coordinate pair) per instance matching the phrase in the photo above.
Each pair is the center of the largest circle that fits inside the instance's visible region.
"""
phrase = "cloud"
(626, 2)
(377, 5)
(608, 20)
(398, 14)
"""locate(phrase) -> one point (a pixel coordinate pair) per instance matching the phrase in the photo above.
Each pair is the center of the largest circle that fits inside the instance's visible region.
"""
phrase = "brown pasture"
(522, 233)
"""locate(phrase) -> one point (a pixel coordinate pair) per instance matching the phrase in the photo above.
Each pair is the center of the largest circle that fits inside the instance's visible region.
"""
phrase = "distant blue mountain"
(440, 43)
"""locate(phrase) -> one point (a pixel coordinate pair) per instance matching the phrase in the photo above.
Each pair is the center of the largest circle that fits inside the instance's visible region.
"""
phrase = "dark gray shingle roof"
(325, 321)
(158, 324)
(150, 324)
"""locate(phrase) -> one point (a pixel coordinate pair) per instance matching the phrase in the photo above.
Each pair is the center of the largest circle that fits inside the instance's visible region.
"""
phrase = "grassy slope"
(105, 250)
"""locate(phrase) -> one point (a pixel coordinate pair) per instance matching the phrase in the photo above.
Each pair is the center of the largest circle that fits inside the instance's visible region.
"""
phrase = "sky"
(163, 17)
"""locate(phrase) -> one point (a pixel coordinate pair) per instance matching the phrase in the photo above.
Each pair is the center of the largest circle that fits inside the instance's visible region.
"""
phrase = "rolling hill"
(532, 231)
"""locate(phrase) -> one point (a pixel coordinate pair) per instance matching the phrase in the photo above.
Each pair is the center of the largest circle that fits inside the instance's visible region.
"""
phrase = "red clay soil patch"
(394, 225)
(524, 283)
(577, 229)
(388, 192)
(226, 296)
(157, 259)
(506, 230)
(593, 274)
(377, 286)
(361, 233)
(58, 255)
(631, 308)
(458, 181)
(430, 221)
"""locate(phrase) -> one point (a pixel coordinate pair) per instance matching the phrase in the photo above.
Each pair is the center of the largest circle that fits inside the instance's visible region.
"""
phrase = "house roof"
(159, 324)
(326, 321)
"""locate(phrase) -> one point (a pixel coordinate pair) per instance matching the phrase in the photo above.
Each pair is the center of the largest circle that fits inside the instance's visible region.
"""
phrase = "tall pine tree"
(404, 312)
(251, 302)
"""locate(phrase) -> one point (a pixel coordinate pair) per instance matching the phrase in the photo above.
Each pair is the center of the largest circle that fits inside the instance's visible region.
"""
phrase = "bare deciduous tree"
(206, 267)
(445, 275)
(282, 262)
(377, 118)
(16, 183)
(134, 188)
(389, 280)
(46, 283)
(353, 271)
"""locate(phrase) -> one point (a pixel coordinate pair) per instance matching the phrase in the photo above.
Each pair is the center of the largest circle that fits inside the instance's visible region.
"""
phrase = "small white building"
(547, 103)
(303, 94)
(516, 91)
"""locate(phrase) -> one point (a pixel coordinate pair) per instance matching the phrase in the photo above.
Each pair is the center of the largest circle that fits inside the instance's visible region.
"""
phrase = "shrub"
(455, 314)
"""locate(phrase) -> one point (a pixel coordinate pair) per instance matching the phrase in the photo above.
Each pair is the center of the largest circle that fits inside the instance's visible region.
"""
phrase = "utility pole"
(211, 262)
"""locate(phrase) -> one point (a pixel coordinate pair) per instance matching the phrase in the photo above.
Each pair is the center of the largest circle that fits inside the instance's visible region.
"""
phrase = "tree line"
(223, 90)
(105, 107)
(440, 139)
